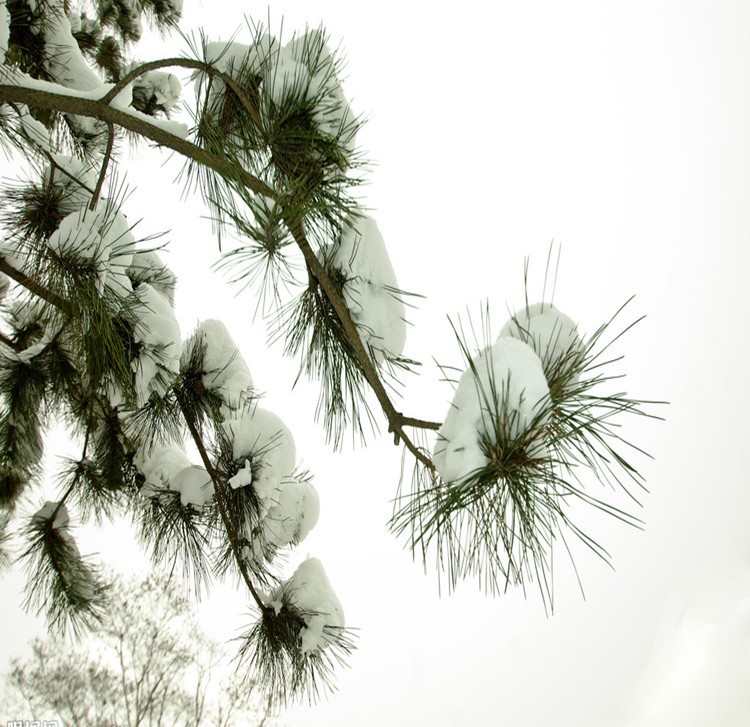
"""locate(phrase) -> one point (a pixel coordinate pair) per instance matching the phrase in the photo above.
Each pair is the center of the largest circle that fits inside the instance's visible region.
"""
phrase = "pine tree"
(90, 337)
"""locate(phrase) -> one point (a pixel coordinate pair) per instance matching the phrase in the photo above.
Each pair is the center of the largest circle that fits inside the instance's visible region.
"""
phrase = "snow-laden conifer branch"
(273, 152)
(530, 414)
(50, 98)
(234, 174)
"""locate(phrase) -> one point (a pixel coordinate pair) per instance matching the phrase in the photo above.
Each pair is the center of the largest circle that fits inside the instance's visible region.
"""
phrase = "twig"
(396, 420)
(105, 164)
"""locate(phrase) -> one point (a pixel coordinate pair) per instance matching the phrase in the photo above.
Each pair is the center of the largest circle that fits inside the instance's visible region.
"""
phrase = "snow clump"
(225, 372)
(164, 88)
(147, 267)
(288, 521)
(259, 438)
(102, 236)
(75, 179)
(158, 333)
(551, 333)
(166, 466)
(309, 591)
(504, 389)
(194, 485)
(370, 287)
(159, 465)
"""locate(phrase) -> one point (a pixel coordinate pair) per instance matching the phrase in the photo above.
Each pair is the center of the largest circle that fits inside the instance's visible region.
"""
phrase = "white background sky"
(621, 132)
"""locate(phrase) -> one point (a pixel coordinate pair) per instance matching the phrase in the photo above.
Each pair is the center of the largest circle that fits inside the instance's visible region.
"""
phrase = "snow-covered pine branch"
(90, 335)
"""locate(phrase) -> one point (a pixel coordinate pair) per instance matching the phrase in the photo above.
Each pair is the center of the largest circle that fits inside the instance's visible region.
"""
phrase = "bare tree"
(149, 664)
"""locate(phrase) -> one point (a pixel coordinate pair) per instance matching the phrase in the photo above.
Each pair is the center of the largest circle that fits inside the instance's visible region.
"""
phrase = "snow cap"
(505, 380)
(309, 590)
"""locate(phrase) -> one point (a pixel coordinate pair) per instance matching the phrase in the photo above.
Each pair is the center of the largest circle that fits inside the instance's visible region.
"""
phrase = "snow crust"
(225, 371)
(507, 381)
(260, 436)
(551, 333)
(310, 591)
(369, 294)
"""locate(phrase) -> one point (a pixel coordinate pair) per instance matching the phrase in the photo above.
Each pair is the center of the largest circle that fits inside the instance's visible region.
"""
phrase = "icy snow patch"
(309, 590)
(509, 382)
(369, 291)
(62, 519)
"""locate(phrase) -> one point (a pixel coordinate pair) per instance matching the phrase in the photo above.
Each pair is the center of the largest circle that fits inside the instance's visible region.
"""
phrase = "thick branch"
(36, 288)
(135, 122)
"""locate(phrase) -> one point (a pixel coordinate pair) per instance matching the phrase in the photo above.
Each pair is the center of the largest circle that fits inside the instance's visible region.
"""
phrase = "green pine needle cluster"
(271, 651)
(499, 524)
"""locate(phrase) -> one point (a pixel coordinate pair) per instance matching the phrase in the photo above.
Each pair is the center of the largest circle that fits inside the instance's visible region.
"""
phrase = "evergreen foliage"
(89, 337)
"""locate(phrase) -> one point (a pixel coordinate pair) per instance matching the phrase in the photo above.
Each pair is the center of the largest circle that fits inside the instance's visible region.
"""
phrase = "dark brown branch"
(419, 423)
(36, 288)
(396, 420)
(220, 492)
(138, 124)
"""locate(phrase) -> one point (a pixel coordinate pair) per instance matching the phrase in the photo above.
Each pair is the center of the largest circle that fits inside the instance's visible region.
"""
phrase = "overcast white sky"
(621, 132)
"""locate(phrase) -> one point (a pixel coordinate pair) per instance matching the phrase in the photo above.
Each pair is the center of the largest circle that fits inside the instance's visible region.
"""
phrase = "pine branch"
(34, 287)
(396, 420)
(233, 173)
(220, 490)
(137, 123)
